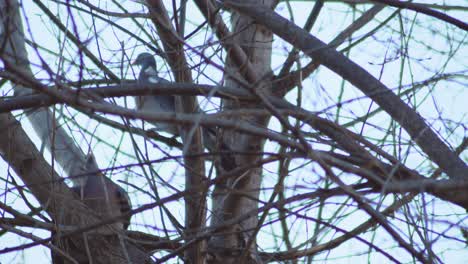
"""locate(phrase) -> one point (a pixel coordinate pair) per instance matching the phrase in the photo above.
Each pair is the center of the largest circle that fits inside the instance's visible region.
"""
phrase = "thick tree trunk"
(61, 204)
(195, 202)
(238, 195)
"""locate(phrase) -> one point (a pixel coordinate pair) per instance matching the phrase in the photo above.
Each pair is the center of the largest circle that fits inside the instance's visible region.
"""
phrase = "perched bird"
(160, 103)
(102, 195)
(105, 198)
(166, 103)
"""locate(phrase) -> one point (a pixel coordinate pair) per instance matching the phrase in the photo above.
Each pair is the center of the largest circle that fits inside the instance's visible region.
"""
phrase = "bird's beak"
(134, 62)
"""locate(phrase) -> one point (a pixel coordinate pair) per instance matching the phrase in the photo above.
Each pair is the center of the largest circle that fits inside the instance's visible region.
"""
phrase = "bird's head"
(145, 60)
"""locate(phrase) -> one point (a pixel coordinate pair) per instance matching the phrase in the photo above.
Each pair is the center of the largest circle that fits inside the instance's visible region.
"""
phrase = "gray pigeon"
(150, 103)
(166, 103)
(102, 195)
(105, 198)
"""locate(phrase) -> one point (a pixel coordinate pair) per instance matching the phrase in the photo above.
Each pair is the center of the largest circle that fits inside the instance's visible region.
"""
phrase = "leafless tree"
(344, 148)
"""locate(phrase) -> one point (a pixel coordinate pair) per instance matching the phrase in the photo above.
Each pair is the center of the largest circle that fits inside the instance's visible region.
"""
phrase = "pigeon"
(102, 195)
(166, 103)
(154, 103)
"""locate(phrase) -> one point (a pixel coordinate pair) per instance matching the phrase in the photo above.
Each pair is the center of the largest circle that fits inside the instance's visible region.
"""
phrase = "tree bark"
(238, 195)
(55, 197)
(409, 119)
(195, 204)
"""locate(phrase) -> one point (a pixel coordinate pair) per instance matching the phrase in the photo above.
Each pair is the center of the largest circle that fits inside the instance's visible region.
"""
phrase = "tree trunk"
(239, 194)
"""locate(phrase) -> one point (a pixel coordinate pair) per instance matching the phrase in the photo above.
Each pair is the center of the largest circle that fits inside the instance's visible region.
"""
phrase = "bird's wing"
(156, 79)
(102, 195)
(150, 75)
(164, 103)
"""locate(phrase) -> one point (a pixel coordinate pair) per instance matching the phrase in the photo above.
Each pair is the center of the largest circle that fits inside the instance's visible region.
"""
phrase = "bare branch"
(414, 124)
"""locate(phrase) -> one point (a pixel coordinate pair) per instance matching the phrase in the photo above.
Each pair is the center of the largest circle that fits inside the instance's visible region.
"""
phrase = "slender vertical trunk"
(239, 194)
